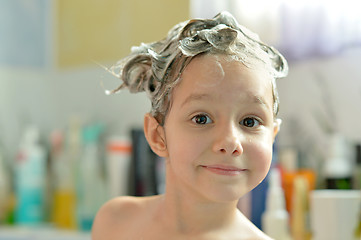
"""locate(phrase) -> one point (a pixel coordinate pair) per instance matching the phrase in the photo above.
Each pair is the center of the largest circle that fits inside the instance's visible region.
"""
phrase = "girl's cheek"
(262, 155)
(184, 145)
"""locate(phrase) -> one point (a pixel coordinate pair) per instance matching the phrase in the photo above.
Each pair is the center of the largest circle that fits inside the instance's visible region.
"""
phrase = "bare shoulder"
(116, 216)
(112, 208)
(250, 231)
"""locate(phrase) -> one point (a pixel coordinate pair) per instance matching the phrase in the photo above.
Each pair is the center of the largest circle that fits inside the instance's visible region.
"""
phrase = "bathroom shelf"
(40, 233)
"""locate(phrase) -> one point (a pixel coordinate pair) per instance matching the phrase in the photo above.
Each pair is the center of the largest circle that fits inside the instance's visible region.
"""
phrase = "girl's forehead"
(207, 70)
(218, 75)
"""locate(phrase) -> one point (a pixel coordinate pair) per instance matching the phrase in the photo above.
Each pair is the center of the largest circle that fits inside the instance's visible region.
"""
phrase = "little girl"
(213, 118)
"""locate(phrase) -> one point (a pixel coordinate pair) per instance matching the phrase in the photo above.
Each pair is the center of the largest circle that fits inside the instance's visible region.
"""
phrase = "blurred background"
(63, 141)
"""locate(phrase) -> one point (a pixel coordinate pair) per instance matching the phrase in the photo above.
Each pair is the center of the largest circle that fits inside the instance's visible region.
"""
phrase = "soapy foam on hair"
(156, 67)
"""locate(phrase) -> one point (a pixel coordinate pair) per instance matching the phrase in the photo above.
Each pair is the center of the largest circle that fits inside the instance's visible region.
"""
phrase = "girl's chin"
(224, 196)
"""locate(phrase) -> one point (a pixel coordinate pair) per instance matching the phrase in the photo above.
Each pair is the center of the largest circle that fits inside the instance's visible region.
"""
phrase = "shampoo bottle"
(300, 226)
(63, 192)
(119, 150)
(30, 174)
(275, 218)
(289, 166)
(90, 190)
(338, 168)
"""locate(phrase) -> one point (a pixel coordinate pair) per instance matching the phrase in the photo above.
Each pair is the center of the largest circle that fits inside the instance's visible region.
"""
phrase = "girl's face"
(220, 129)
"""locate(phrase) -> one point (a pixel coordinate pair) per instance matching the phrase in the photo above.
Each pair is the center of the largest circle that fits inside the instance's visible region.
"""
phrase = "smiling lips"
(224, 170)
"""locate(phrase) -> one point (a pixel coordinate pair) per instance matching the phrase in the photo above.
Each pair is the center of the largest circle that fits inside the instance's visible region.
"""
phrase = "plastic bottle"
(91, 191)
(4, 189)
(119, 150)
(30, 175)
(300, 225)
(338, 168)
(63, 206)
(289, 166)
(357, 168)
(357, 231)
(275, 218)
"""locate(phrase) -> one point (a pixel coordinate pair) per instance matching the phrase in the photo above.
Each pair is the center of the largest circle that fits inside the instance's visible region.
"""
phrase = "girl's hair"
(156, 67)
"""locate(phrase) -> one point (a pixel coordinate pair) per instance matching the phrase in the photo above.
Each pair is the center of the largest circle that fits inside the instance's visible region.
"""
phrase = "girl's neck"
(188, 212)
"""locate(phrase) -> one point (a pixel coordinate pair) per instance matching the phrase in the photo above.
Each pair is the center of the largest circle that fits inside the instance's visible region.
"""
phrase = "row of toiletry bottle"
(279, 223)
(290, 189)
(64, 186)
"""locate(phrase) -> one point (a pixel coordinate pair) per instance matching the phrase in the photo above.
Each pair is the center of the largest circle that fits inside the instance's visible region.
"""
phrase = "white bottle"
(90, 191)
(338, 167)
(30, 176)
(119, 153)
(275, 218)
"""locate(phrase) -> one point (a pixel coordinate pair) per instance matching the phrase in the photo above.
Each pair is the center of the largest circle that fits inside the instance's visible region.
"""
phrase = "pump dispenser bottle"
(275, 218)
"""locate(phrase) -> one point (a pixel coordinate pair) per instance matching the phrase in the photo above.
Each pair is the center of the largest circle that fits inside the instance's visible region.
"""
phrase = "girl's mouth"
(224, 170)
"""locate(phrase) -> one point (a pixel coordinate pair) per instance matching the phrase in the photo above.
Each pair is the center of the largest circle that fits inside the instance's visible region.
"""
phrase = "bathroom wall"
(320, 96)
(51, 55)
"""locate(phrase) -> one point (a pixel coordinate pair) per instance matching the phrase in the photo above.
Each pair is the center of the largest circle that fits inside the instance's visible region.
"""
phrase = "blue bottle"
(30, 175)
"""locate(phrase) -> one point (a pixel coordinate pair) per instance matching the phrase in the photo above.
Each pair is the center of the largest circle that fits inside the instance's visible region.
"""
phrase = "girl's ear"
(154, 133)
(276, 127)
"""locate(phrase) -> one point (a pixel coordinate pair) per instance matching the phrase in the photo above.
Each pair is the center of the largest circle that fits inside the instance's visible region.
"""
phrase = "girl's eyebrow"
(259, 100)
(196, 97)
(204, 96)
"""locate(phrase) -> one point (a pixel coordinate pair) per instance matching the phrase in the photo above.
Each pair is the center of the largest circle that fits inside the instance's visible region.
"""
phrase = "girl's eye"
(201, 119)
(250, 122)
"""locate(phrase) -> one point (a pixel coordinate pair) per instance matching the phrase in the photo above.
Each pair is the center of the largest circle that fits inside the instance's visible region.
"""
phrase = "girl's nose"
(229, 142)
